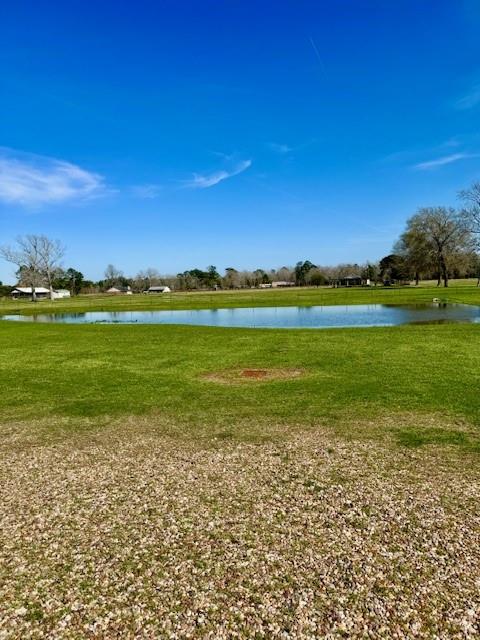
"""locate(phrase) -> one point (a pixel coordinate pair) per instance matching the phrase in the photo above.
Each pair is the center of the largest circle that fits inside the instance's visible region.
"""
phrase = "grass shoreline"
(305, 296)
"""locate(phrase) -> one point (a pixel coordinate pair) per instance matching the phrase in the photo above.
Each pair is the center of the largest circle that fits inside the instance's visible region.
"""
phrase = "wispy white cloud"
(439, 162)
(454, 141)
(285, 149)
(146, 191)
(204, 181)
(317, 54)
(31, 180)
(227, 157)
(410, 155)
(280, 148)
(470, 99)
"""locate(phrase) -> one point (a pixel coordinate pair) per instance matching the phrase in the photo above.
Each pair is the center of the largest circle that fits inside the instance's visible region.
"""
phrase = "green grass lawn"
(349, 375)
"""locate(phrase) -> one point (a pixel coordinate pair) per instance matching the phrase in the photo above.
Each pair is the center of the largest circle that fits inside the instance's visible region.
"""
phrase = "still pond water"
(375, 315)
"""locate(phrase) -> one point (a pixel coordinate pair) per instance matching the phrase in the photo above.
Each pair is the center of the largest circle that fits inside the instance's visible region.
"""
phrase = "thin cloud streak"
(409, 155)
(444, 160)
(470, 100)
(204, 181)
(280, 148)
(227, 157)
(31, 180)
(285, 149)
(317, 54)
(146, 191)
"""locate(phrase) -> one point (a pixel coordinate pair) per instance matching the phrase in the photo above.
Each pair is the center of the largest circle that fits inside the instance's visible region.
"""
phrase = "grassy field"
(149, 490)
(460, 291)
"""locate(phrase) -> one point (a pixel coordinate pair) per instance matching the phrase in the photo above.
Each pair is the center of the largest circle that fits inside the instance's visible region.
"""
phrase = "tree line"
(438, 242)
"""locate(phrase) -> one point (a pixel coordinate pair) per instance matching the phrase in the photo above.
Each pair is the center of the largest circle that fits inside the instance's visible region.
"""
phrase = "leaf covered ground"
(131, 535)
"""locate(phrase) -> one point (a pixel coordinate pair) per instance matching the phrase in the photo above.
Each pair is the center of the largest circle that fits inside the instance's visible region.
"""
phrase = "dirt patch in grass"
(243, 375)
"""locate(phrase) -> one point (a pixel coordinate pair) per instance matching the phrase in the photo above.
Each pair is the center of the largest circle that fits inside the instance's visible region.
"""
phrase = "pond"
(375, 315)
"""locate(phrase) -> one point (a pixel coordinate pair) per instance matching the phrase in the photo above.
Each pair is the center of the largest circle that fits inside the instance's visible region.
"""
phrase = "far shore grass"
(464, 291)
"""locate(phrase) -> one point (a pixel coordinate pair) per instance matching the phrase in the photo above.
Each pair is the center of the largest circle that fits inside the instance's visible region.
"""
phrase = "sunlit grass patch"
(417, 438)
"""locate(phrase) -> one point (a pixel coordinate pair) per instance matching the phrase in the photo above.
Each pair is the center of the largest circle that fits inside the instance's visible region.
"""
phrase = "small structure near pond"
(58, 294)
(158, 289)
(119, 290)
(349, 281)
(41, 293)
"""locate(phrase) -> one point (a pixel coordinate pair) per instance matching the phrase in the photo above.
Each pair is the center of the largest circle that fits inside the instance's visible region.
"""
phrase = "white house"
(117, 290)
(40, 292)
(158, 289)
(58, 294)
(26, 292)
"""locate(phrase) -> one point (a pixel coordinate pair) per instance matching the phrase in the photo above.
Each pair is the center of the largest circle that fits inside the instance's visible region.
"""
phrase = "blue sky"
(176, 134)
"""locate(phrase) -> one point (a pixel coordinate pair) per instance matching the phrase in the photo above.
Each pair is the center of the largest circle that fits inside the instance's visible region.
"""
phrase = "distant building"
(119, 290)
(349, 281)
(26, 292)
(158, 289)
(265, 285)
(40, 292)
(61, 293)
(282, 283)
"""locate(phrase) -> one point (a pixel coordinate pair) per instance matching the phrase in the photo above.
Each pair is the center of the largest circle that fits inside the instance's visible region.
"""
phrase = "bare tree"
(27, 257)
(443, 234)
(471, 213)
(417, 251)
(51, 253)
(286, 274)
(113, 275)
(231, 279)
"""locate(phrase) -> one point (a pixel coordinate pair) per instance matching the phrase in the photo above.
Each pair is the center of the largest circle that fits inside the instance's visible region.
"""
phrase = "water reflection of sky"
(276, 317)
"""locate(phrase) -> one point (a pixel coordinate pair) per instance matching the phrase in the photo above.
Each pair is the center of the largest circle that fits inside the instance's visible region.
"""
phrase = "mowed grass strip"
(104, 372)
